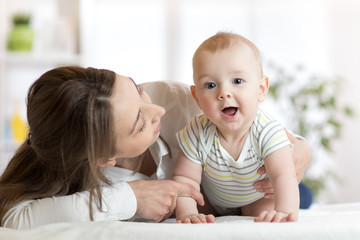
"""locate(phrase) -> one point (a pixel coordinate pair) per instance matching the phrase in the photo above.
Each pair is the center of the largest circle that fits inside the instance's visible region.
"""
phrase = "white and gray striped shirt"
(227, 182)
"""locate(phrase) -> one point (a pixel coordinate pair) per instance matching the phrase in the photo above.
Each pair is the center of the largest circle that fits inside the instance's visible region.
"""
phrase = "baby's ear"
(263, 88)
(193, 93)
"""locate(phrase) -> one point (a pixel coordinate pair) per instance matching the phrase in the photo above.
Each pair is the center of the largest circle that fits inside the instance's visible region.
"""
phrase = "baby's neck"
(233, 143)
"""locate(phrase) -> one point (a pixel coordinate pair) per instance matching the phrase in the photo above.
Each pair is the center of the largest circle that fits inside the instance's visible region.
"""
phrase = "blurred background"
(310, 51)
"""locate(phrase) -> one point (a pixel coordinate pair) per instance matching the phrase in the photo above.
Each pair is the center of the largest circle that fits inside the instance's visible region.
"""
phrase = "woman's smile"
(158, 128)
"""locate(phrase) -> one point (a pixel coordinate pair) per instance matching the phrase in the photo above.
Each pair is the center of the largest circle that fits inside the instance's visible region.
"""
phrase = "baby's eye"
(237, 81)
(210, 85)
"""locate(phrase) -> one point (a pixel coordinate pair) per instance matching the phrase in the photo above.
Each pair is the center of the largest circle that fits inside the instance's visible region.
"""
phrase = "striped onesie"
(228, 184)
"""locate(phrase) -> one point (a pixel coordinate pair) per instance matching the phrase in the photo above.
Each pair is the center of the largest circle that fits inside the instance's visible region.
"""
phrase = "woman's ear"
(109, 162)
(263, 88)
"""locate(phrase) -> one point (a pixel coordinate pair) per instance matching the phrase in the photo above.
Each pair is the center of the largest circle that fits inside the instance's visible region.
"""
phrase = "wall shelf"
(52, 21)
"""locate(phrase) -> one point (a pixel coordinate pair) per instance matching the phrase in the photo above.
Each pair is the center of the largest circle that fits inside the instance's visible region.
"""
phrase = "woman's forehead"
(125, 102)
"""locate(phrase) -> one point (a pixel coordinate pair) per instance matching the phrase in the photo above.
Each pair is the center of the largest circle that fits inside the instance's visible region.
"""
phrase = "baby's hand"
(197, 218)
(274, 216)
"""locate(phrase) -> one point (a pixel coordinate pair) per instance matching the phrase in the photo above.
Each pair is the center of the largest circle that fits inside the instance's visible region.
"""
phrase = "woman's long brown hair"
(71, 127)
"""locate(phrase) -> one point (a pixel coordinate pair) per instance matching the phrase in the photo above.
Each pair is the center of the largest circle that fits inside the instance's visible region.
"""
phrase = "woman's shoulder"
(162, 92)
(176, 98)
(166, 86)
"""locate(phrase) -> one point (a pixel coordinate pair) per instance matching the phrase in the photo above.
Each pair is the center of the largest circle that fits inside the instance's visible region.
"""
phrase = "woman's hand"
(156, 199)
(302, 155)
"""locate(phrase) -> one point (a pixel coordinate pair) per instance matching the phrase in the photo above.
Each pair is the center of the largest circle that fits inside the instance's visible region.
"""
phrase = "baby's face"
(228, 86)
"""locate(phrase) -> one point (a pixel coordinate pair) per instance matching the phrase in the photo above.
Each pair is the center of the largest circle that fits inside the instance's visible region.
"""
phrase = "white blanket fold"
(337, 221)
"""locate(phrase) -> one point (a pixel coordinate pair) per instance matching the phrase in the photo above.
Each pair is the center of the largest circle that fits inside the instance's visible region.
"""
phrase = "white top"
(119, 202)
(229, 182)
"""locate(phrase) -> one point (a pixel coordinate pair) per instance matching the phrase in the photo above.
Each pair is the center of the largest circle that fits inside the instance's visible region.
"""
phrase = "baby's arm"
(187, 171)
(281, 172)
(301, 153)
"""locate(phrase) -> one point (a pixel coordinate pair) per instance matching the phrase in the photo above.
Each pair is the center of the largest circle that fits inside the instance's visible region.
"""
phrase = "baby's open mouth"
(230, 111)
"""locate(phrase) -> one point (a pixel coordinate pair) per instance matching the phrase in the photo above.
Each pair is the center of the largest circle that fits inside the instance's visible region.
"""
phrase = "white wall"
(155, 40)
(126, 36)
(345, 60)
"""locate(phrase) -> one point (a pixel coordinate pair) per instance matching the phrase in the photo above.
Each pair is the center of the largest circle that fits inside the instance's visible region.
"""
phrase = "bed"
(332, 221)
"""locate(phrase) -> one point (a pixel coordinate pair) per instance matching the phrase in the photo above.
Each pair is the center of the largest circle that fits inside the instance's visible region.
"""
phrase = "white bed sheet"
(337, 221)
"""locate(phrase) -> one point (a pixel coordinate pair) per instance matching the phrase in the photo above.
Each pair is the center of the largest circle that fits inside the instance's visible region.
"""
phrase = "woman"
(83, 122)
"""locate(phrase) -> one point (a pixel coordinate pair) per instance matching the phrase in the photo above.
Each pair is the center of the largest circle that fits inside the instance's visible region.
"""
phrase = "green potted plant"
(312, 108)
(21, 36)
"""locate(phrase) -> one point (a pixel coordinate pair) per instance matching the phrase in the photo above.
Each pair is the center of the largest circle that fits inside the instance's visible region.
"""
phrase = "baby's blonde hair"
(223, 40)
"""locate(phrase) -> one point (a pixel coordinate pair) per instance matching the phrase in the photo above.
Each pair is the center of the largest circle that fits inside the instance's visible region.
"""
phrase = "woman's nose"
(157, 113)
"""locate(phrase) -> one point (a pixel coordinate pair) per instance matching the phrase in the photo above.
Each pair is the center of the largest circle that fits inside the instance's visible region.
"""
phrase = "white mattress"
(337, 221)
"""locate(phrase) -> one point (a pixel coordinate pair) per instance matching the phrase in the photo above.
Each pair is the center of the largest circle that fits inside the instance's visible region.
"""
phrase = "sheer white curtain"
(155, 40)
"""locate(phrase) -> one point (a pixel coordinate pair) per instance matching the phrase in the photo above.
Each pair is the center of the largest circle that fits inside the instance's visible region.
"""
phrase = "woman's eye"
(140, 89)
(144, 124)
(210, 85)
(143, 127)
(237, 81)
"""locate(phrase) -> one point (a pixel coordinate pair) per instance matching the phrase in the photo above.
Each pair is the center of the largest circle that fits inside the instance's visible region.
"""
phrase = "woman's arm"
(119, 203)
(301, 153)
(148, 199)
(157, 198)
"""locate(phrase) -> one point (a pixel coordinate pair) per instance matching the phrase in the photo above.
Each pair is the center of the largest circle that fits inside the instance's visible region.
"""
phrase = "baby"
(223, 148)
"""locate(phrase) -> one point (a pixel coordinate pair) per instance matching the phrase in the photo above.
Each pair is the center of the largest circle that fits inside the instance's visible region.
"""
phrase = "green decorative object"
(311, 104)
(21, 36)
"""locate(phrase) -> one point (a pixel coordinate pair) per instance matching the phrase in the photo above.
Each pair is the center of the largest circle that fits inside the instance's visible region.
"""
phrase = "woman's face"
(137, 120)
